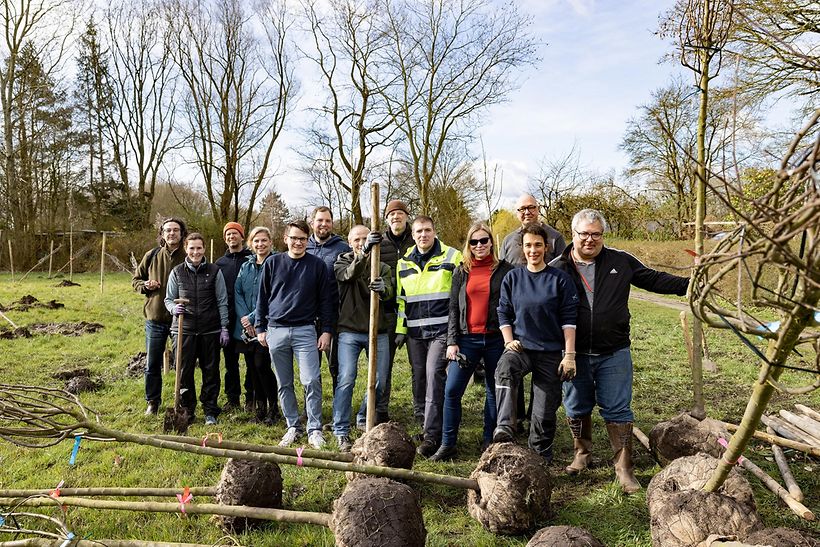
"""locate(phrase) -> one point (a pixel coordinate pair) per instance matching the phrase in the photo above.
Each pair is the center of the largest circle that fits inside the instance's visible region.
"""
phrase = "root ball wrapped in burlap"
(565, 536)
(683, 515)
(252, 483)
(683, 435)
(782, 537)
(515, 489)
(387, 445)
(378, 512)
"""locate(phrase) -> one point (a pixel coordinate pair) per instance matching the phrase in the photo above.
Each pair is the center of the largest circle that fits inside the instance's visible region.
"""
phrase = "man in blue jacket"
(295, 289)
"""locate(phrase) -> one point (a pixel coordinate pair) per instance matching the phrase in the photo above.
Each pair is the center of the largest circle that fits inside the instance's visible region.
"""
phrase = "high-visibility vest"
(423, 294)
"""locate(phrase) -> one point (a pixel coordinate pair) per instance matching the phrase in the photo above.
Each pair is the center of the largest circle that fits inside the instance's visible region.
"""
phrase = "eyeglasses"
(527, 208)
(297, 239)
(479, 241)
(594, 236)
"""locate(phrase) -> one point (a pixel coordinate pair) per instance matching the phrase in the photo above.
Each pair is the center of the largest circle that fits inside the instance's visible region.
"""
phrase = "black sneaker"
(152, 408)
(503, 434)
(427, 448)
(444, 454)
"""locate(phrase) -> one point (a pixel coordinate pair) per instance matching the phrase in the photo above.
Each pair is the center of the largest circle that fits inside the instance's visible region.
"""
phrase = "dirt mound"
(782, 537)
(255, 484)
(378, 512)
(136, 365)
(683, 435)
(66, 329)
(11, 334)
(81, 384)
(387, 444)
(67, 283)
(515, 489)
(564, 536)
(73, 373)
(683, 515)
(28, 301)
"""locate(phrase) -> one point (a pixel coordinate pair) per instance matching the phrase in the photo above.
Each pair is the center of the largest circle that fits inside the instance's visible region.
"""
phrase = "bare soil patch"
(136, 365)
(67, 283)
(64, 329)
(28, 301)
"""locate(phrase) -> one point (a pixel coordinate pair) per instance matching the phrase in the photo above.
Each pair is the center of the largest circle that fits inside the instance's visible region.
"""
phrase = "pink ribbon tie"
(184, 498)
(299, 456)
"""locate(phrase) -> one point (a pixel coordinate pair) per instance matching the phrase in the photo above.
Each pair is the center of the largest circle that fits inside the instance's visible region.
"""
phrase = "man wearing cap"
(235, 255)
(397, 238)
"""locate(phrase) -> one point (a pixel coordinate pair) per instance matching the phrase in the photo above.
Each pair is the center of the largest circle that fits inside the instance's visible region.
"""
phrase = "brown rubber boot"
(581, 429)
(620, 437)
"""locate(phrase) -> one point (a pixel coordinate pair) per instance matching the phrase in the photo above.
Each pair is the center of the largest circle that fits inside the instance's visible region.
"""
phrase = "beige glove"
(515, 346)
(566, 370)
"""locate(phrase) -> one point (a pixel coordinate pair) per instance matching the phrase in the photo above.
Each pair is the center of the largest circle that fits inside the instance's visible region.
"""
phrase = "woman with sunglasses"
(472, 333)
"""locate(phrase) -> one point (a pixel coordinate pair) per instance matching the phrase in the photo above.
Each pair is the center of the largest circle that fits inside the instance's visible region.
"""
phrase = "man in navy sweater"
(294, 289)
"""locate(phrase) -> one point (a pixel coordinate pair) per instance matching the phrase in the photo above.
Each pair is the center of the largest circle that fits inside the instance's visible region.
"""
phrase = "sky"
(600, 59)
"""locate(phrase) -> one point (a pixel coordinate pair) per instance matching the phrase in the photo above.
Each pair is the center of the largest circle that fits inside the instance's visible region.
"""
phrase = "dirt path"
(659, 300)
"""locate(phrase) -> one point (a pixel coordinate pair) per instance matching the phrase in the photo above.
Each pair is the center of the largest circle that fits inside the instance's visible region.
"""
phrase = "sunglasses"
(482, 241)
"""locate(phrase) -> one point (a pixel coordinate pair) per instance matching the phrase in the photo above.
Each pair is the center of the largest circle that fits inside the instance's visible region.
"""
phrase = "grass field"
(592, 501)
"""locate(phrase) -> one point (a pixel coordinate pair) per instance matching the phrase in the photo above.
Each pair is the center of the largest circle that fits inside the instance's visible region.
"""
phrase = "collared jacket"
(229, 264)
(605, 328)
(423, 290)
(353, 275)
(162, 263)
(245, 292)
(204, 287)
(457, 324)
(512, 251)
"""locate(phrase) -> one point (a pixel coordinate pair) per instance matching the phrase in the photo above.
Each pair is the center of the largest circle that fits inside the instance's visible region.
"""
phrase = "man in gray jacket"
(528, 212)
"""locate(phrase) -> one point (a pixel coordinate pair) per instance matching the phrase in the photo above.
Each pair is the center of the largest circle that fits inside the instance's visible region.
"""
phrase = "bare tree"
(353, 123)
(448, 61)
(557, 176)
(239, 86)
(492, 185)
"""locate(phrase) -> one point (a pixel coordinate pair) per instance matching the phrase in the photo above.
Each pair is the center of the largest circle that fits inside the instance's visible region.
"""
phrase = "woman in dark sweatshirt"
(472, 333)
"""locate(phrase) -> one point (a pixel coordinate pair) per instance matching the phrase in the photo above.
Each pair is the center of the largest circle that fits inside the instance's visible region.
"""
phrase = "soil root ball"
(136, 365)
(378, 512)
(564, 536)
(515, 489)
(683, 515)
(782, 537)
(82, 384)
(387, 445)
(683, 435)
(251, 483)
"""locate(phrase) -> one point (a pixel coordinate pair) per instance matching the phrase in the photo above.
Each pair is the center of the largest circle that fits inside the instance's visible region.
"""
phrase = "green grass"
(593, 500)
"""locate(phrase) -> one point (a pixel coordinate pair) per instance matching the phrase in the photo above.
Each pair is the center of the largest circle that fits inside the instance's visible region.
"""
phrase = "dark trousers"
(546, 394)
(202, 348)
(382, 408)
(264, 380)
(232, 377)
(428, 359)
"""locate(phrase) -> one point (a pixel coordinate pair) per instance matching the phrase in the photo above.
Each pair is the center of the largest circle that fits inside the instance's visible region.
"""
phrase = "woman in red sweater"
(472, 333)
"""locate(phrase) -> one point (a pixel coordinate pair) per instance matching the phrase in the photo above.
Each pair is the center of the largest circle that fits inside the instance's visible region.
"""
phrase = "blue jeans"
(474, 347)
(350, 347)
(606, 379)
(156, 336)
(284, 343)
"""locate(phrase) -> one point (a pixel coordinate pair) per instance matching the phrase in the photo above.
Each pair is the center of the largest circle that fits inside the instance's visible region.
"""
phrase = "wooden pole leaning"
(785, 471)
(373, 332)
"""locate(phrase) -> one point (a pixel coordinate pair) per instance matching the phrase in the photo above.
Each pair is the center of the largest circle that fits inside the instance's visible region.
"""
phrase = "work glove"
(378, 285)
(400, 340)
(566, 370)
(224, 337)
(373, 239)
(179, 309)
(515, 346)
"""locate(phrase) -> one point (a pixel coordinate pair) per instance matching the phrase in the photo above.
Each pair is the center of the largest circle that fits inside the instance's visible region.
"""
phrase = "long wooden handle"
(373, 332)
(785, 472)
(178, 358)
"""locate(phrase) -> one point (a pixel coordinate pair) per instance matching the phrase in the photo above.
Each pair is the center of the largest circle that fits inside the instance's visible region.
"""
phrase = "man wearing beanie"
(236, 254)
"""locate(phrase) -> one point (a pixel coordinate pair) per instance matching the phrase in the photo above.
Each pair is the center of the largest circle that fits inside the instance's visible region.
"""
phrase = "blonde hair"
(258, 229)
(468, 252)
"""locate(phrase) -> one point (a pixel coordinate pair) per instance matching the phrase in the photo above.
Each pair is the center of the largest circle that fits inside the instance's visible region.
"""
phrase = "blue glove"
(378, 285)
(179, 309)
(224, 337)
(373, 239)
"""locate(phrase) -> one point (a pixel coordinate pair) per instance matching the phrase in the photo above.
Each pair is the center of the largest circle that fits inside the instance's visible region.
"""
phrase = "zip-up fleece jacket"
(160, 268)
(605, 329)
(457, 323)
(329, 250)
(353, 275)
(246, 289)
(423, 292)
(229, 264)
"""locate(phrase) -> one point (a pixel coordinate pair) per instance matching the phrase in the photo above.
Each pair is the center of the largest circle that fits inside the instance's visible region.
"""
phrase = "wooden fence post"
(102, 264)
(11, 261)
(50, 258)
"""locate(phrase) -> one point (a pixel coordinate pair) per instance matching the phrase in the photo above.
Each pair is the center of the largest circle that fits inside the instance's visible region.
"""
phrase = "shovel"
(176, 417)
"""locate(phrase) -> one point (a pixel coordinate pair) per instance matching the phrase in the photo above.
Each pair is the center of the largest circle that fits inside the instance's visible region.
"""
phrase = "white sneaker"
(316, 439)
(290, 437)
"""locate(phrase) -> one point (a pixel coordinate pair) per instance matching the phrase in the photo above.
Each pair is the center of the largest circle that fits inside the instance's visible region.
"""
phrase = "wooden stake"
(813, 414)
(6, 317)
(212, 251)
(780, 441)
(166, 361)
(71, 254)
(643, 439)
(804, 424)
(51, 258)
(785, 429)
(11, 261)
(785, 472)
(373, 334)
(102, 265)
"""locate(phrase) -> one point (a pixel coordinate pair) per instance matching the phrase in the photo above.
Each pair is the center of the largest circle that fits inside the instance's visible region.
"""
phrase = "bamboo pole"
(234, 445)
(785, 471)
(810, 413)
(373, 330)
(102, 265)
(804, 424)
(11, 261)
(780, 441)
(109, 491)
(264, 513)
(51, 258)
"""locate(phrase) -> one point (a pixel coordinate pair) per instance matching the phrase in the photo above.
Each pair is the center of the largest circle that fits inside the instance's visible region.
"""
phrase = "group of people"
(539, 306)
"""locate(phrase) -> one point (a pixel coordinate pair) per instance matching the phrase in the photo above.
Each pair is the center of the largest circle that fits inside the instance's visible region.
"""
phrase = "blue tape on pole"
(73, 459)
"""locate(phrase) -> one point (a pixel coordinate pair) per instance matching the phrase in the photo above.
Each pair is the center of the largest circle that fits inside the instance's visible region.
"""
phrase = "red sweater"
(478, 295)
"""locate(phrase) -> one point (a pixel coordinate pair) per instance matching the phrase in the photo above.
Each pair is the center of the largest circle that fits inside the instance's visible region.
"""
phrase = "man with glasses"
(603, 277)
(295, 289)
(528, 213)
(150, 279)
